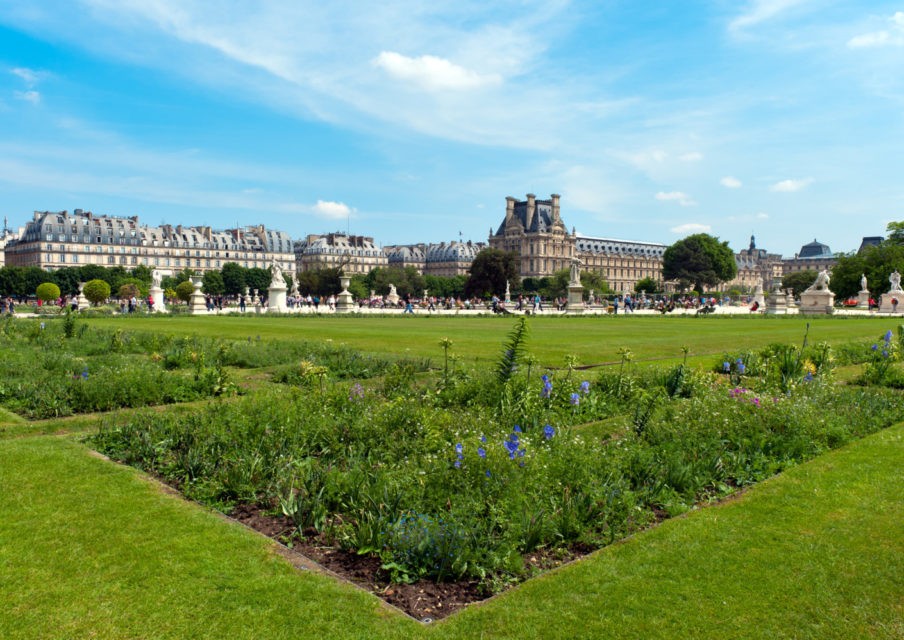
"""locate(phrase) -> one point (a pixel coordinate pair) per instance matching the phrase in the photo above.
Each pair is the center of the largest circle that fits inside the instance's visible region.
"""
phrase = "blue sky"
(412, 121)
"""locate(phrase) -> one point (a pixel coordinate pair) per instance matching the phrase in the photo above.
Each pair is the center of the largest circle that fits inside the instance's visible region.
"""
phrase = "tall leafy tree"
(489, 272)
(233, 278)
(699, 260)
(895, 231)
(800, 280)
(876, 263)
(213, 283)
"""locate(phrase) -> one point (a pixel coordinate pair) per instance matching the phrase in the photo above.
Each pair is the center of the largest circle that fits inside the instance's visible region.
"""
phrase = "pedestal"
(157, 295)
(345, 301)
(776, 303)
(887, 305)
(81, 300)
(863, 299)
(276, 300)
(817, 303)
(575, 298)
(197, 303)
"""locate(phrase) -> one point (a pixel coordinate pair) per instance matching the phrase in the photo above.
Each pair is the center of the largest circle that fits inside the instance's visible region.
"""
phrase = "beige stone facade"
(442, 259)
(534, 229)
(755, 266)
(52, 240)
(352, 254)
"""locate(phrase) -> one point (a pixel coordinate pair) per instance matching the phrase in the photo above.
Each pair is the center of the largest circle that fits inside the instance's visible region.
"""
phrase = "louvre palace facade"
(534, 230)
(52, 240)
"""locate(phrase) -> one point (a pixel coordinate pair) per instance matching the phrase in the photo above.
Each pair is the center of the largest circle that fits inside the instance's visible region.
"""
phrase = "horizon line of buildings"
(532, 228)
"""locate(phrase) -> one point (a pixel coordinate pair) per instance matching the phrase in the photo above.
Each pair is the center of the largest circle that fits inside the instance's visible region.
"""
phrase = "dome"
(815, 250)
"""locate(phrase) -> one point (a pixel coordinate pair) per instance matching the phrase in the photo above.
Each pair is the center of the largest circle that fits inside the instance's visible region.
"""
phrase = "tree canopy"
(96, 291)
(489, 272)
(799, 280)
(876, 263)
(699, 260)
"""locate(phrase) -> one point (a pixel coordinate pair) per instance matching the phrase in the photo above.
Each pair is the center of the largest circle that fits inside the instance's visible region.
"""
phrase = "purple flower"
(726, 367)
(516, 429)
(741, 368)
(585, 387)
(888, 336)
(875, 347)
(808, 377)
(457, 464)
(884, 353)
(548, 432)
(546, 390)
(483, 439)
(488, 473)
(575, 399)
(459, 448)
(356, 392)
(481, 452)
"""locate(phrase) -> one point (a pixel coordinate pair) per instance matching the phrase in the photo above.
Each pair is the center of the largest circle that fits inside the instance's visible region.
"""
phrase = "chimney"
(555, 207)
(531, 208)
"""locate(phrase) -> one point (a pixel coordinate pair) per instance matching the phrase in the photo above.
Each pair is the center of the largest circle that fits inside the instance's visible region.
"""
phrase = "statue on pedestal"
(277, 279)
(895, 280)
(822, 282)
(863, 282)
(156, 279)
(575, 276)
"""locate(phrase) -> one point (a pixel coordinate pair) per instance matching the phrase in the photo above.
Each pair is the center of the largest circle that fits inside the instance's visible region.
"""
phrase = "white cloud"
(894, 37)
(730, 182)
(676, 196)
(431, 72)
(693, 156)
(762, 216)
(790, 186)
(33, 97)
(691, 227)
(30, 76)
(760, 11)
(333, 210)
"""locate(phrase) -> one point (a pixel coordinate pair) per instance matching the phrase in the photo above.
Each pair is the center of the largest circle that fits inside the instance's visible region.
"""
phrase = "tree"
(407, 280)
(184, 290)
(259, 279)
(895, 232)
(799, 280)
(67, 279)
(128, 290)
(647, 285)
(700, 260)
(233, 278)
(96, 291)
(138, 288)
(47, 292)
(143, 274)
(213, 283)
(876, 263)
(490, 271)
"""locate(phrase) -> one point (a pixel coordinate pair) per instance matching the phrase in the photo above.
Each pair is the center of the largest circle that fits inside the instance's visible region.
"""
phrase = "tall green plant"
(512, 351)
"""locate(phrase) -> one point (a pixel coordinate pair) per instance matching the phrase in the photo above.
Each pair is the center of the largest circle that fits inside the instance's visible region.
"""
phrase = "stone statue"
(575, 271)
(508, 291)
(863, 282)
(895, 280)
(277, 279)
(758, 289)
(156, 279)
(822, 282)
(392, 291)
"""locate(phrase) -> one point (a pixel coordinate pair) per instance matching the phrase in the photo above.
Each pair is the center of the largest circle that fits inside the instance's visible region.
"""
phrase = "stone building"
(443, 259)
(815, 256)
(353, 254)
(755, 266)
(535, 231)
(52, 240)
(621, 262)
(6, 236)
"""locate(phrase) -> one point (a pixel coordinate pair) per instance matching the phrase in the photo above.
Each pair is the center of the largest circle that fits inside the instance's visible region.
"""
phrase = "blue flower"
(739, 361)
(888, 336)
(546, 390)
(808, 377)
(884, 353)
(459, 448)
(85, 374)
(516, 429)
(458, 464)
(488, 473)
(544, 378)
(483, 439)
(575, 399)
(548, 432)
(585, 387)
(875, 347)
(741, 368)
(481, 452)
(726, 367)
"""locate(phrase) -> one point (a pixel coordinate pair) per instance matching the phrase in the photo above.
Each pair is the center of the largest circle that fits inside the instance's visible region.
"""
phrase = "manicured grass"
(595, 340)
(90, 549)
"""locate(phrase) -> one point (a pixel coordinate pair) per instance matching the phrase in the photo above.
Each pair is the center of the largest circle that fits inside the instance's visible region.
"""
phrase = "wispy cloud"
(790, 185)
(759, 11)
(332, 210)
(676, 196)
(433, 73)
(31, 96)
(691, 227)
(693, 156)
(893, 36)
(30, 76)
(730, 182)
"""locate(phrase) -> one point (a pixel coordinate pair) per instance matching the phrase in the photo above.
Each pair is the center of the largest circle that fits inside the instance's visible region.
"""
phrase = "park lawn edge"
(92, 549)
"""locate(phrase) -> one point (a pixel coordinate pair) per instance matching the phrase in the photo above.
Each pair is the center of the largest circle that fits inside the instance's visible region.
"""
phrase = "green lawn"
(91, 549)
(595, 340)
